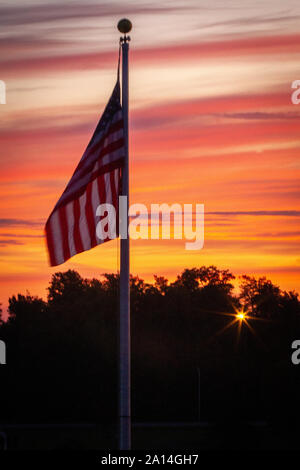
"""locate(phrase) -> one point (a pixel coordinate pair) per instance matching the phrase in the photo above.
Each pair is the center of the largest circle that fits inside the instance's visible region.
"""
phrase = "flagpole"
(124, 27)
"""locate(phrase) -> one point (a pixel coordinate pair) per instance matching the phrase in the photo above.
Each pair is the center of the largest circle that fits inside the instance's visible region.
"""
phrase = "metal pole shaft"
(199, 396)
(124, 390)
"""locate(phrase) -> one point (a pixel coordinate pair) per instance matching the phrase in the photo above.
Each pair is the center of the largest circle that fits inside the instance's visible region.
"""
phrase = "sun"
(241, 316)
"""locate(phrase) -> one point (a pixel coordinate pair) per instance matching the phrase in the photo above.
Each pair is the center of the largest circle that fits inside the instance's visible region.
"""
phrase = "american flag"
(71, 226)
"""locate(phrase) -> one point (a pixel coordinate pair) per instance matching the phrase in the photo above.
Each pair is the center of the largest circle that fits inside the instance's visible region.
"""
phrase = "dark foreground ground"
(153, 436)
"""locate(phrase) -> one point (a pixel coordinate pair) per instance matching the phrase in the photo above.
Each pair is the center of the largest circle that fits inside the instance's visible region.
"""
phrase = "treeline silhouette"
(62, 353)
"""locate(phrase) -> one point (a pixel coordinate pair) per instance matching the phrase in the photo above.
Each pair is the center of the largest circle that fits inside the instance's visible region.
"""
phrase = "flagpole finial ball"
(124, 26)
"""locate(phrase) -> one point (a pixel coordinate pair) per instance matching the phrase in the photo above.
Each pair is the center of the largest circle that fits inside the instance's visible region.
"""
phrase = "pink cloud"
(194, 52)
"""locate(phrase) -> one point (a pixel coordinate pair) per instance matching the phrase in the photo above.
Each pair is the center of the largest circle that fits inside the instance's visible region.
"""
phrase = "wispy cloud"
(260, 115)
(183, 53)
(19, 222)
(57, 11)
(21, 235)
(256, 20)
(284, 213)
(7, 242)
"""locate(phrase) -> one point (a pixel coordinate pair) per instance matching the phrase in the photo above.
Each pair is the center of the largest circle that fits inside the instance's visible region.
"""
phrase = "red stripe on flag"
(89, 215)
(102, 193)
(113, 188)
(101, 189)
(63, 223)
(76, 231)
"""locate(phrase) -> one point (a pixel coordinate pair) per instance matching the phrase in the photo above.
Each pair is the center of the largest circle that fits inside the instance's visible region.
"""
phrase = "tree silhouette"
(260, 296)
(63, 352)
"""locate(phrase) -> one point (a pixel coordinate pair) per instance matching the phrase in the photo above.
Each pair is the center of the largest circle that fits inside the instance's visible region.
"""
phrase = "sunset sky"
(211, 122)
